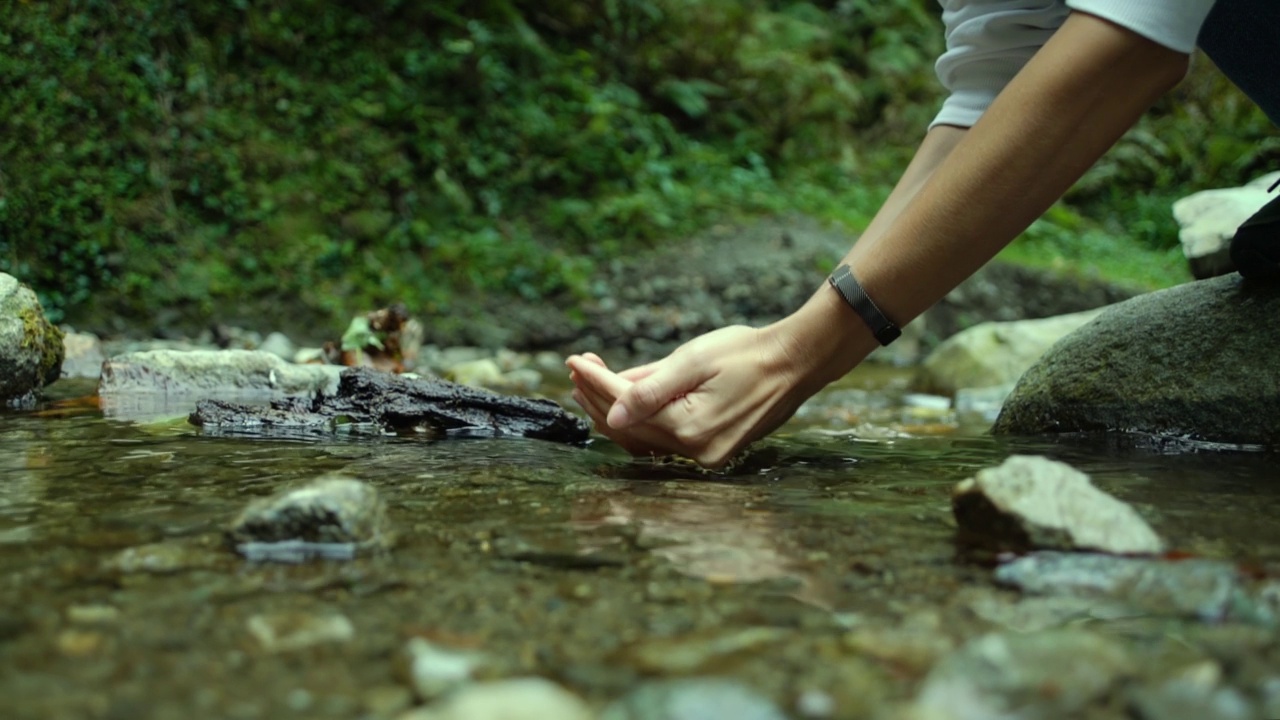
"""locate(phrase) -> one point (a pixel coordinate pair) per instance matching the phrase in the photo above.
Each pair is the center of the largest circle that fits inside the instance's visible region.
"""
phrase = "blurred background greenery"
(318, 158)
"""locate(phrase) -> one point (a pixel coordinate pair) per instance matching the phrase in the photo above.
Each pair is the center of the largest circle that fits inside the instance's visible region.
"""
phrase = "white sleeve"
(1171, 23)
(988, 42)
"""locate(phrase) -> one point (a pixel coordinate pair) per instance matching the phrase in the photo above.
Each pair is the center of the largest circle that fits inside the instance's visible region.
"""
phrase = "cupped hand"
(707, 400)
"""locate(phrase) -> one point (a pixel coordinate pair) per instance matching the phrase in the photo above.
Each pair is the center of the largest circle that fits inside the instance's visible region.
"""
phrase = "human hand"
(707, 400)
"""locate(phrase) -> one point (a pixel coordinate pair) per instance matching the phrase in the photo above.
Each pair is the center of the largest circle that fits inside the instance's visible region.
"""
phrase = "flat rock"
(1034, 502)
(31, 349)
(330, 512)
(391, 403)
(1193, 363)
(213, 374)
(1208, 590)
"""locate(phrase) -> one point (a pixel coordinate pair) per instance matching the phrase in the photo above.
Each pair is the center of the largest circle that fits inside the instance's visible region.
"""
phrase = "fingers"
(637, 441)
(668, 380)
(596, 378)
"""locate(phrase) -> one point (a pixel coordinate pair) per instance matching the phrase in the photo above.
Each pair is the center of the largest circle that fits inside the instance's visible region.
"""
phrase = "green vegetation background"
(193, 159)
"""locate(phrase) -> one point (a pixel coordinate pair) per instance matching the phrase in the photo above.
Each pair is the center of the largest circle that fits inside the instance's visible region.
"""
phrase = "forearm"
(1071, 102)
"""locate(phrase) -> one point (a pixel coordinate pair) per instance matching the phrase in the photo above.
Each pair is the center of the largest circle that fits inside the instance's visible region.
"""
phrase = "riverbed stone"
(31, 349)
(993, 353)
(332, 510)
(530, 698)
(1030, 501)
(433, 670)
(1208, 220)
(1195, 693)
(214, 373)
(1193, 363)
(1049, 674)
(693, 699)
(279, 344)
(298, 629)
(1200, 588)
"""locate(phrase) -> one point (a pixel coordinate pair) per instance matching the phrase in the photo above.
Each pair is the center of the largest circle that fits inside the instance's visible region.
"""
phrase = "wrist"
(823, 340)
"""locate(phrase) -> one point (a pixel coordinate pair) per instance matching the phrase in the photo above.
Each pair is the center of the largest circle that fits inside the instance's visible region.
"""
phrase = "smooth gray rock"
(993, 353)
(214, 374)
(1208, 590)
(1197, 362)
(330, 511)
(1034, 502)
(31, 349)
(1052, 674)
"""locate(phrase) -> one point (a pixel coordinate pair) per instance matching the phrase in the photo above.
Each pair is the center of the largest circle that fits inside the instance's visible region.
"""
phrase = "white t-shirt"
(988, 41)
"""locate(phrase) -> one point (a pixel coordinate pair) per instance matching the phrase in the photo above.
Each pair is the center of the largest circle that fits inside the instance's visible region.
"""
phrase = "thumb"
(665, 381)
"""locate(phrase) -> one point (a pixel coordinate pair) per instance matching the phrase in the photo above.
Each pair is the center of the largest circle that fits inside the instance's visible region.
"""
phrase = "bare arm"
(1076, 97)
(965, 196)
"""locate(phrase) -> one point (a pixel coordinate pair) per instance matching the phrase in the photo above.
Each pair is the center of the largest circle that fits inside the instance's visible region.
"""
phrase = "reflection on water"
(553, 557)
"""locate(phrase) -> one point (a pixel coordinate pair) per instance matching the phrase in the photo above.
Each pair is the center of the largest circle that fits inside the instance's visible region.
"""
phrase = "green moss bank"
(289, 161)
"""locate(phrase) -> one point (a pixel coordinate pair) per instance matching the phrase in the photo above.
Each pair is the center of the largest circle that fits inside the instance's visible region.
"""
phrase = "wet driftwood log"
(395, 403)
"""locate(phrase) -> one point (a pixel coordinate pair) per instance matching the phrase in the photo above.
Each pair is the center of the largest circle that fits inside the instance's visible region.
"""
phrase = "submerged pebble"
(434, 670)
(1039, 675)
(1209, 590)
(294, 630)
(332, 516)
(1196, 693)
(516, 699)
(693, 699)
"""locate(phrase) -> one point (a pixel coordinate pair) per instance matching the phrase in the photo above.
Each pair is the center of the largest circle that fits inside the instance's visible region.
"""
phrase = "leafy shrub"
(192, 154)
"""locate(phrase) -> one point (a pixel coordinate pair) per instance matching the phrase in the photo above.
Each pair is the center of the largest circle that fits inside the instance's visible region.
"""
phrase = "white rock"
(1053, 505)
(294, 630)
(516, 699)
(1209, 219)
(84, 355)
(433, 670)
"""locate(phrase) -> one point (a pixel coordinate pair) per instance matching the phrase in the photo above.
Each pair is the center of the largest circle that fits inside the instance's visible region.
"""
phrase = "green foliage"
(191, 157)
(1205, 134)
(191, 154)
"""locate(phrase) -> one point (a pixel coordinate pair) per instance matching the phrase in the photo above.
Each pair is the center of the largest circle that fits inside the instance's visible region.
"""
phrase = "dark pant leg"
(1242, 37)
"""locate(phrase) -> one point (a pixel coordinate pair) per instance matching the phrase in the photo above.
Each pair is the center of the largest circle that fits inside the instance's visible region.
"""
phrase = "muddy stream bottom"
(823, 572)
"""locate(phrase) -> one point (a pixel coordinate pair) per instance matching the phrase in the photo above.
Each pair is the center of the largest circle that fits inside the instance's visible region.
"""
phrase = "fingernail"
(618, 416)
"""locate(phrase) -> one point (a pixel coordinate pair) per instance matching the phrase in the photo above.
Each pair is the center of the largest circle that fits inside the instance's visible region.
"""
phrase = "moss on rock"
(1198, 362)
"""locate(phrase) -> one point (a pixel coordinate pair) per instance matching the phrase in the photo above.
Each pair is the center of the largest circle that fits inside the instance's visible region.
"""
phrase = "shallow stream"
(824, 570)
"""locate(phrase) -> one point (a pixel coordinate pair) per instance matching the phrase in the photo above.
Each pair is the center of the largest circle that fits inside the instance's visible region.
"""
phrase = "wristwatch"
(847, 285)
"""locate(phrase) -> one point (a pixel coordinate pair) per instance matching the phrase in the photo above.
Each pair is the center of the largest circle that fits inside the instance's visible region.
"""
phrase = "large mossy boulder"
(30, 347)
(1199, 361)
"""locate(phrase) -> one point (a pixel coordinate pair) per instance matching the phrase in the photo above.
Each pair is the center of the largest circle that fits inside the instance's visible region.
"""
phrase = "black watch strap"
(847, 285)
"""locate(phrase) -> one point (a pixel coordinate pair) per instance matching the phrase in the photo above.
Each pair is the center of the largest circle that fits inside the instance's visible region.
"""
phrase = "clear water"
(119, 597)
